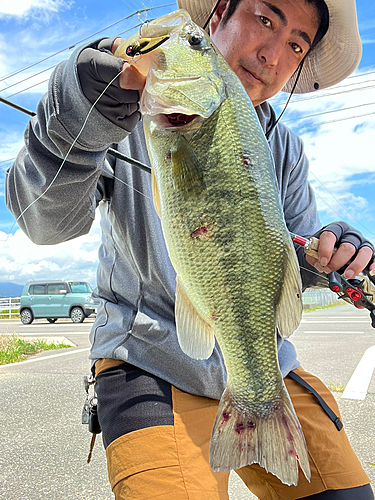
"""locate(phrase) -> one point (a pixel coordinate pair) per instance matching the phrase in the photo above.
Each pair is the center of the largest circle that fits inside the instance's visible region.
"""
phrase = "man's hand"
(130, 77)
(353, 253)
(96, 68)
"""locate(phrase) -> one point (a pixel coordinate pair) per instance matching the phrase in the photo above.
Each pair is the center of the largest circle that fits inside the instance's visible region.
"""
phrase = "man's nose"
(270, 51)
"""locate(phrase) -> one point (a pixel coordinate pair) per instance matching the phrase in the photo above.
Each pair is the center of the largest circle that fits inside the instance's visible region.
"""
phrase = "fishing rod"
(357, 291)
(111, 151)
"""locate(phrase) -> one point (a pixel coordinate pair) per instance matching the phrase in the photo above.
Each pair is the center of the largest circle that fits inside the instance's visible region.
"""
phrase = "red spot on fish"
(201, 231)
(240, 427)
(251, 424)
(294, 454)
(288, 433)
(246, 161)
(169, 156)
(225, 418)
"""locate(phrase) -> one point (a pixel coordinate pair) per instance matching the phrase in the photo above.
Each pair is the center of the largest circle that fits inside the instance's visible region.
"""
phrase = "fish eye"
(195, 40)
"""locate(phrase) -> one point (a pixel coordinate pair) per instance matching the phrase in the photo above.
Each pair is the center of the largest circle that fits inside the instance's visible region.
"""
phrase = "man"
(156, 405)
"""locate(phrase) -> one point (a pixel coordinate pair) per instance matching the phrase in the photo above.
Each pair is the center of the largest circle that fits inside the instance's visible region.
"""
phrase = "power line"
(340, 215)
(28, 78)
(334, 121)
(279, 102)
(83, 40)
(28, 88)
(339, 202)
(6, 161)
(328, 112)
(43, 71)
(51, 67)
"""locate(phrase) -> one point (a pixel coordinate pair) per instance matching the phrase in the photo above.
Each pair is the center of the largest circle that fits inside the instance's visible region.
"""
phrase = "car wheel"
(77, 315)
(27, 316)
(51, 320)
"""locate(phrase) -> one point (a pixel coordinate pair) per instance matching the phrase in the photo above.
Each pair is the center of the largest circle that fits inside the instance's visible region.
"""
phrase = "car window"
(55, 289)
(80, 287)
(37, 290)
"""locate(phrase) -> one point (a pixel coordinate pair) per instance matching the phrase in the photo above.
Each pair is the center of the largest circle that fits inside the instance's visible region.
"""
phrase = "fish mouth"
(180, 119)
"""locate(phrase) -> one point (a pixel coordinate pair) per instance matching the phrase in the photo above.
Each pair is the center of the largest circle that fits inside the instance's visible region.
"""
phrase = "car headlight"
(89, 299)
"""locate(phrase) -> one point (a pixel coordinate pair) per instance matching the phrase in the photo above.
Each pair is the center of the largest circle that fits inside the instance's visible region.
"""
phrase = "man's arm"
(62, 197)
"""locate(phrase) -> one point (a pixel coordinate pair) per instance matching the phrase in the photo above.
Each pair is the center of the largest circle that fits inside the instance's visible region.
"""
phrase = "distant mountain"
(10, 290)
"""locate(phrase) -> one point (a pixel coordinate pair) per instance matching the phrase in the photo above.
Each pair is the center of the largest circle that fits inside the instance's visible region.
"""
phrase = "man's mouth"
(253, 75)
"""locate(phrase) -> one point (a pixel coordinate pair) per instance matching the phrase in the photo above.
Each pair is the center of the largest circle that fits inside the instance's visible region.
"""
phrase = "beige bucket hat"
(334, 58)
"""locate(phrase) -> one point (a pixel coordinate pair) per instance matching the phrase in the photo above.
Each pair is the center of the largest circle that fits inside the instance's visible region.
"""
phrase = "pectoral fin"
(155, 194)
(289, 306)
(187, 170)
(195, 336)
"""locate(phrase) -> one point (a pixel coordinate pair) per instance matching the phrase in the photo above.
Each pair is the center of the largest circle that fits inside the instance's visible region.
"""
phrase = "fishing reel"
(358, 291)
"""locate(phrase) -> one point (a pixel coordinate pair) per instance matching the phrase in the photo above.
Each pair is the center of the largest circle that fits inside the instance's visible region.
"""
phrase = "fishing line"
(268, 133)
(316, 273)
(65, 158)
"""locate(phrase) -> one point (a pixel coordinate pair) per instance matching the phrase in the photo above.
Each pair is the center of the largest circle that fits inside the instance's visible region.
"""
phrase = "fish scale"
(238, 277)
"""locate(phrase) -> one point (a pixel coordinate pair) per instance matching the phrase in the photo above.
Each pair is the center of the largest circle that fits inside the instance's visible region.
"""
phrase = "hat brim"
(333, 59)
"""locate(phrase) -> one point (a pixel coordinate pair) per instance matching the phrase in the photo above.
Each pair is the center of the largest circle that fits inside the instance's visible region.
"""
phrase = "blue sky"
(340, 151)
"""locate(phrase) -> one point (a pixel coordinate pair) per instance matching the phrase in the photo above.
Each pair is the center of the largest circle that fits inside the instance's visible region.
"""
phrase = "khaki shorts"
(170, 462)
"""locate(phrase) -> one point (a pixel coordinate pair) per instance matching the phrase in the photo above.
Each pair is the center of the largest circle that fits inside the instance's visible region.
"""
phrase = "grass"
(335, 304)
(334, 387)
(15, 313)
(14, 349)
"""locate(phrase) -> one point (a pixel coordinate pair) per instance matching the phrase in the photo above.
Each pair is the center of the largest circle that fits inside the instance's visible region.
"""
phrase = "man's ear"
(218, 15)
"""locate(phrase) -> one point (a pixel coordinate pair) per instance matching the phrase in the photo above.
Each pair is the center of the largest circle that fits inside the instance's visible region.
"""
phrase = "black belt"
(332, 415)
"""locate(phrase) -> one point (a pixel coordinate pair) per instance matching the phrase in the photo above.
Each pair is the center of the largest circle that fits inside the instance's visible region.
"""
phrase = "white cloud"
(24, 7)
(340, 153)
(22, 261)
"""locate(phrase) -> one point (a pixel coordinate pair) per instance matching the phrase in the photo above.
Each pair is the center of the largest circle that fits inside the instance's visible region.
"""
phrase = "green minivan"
(56, 299)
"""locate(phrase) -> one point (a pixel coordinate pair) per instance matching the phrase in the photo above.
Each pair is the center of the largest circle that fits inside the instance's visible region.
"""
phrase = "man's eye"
(265, 21)
(296, 48)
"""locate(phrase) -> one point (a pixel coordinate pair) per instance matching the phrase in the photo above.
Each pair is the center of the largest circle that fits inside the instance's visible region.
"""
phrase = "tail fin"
(274, 441)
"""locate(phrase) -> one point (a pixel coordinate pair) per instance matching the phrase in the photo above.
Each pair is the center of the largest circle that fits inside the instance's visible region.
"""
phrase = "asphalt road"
(44, 446)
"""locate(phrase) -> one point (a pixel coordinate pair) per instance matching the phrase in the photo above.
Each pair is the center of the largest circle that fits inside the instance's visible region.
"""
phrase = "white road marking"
(51, 334)
(334, 322)
(43, 325)
(360, 380)
(45, 358)
(345, 317)
(52, 340)
(330, 331)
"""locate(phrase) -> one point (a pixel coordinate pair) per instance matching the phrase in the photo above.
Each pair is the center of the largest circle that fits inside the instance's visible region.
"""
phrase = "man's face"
(264, 41)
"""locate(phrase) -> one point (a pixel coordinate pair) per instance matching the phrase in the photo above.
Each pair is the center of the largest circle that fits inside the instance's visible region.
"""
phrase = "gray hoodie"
(135, 278)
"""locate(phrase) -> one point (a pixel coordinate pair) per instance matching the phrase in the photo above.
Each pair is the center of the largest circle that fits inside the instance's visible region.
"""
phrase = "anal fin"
(289, 306)
(195, 336)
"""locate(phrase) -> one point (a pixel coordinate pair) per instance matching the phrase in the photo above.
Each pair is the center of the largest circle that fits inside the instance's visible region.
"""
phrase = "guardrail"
(319, 297)
(9, 306)
(311, 298)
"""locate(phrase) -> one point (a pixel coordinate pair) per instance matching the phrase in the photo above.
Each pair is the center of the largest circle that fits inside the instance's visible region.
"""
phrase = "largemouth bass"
(238, 277)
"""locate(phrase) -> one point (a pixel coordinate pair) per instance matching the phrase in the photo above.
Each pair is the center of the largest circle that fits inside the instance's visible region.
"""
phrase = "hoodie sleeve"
(59, 176)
